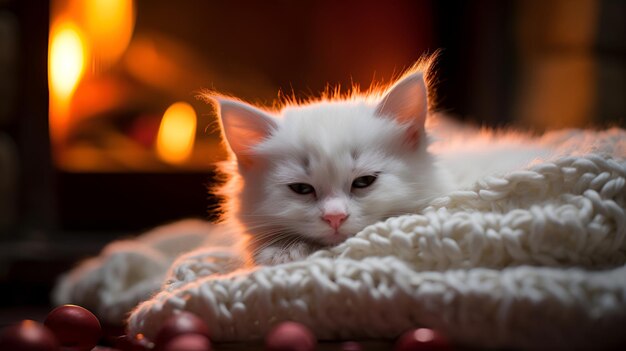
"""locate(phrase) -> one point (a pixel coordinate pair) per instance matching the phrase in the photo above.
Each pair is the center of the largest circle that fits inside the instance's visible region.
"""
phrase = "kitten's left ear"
(407, 103)
(244, 126)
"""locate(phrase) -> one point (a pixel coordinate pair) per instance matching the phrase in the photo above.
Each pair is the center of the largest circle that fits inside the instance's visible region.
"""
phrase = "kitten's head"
(325, 170)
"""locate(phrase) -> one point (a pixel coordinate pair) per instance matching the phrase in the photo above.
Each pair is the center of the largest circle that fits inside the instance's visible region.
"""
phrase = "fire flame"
(109, 24)
(67, 59)
(83, 34)
(66, 65)
(177, 133)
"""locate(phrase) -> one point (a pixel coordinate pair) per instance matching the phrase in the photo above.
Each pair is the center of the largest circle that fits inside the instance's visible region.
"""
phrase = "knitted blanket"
(532, 259)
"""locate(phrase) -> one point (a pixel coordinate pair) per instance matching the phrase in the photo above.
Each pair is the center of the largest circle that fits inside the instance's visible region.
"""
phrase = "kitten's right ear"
(407, 103)
(243, 126)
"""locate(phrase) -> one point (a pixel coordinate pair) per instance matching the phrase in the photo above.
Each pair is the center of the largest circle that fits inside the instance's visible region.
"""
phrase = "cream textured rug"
(531, 259)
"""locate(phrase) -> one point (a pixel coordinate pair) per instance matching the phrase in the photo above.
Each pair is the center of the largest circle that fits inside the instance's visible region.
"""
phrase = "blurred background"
(102, 136)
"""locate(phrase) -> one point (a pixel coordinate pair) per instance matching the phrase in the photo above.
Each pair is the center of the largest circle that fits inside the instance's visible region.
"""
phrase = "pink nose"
(335, 219)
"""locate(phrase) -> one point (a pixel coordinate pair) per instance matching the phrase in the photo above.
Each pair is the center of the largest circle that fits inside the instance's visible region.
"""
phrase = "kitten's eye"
(364, 181)
(302, 188)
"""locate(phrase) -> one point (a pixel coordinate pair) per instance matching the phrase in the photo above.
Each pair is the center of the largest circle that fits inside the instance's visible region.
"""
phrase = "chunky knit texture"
(532, 259)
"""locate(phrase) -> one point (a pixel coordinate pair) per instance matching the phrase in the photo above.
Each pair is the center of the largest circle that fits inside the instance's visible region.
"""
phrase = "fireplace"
(123, 120)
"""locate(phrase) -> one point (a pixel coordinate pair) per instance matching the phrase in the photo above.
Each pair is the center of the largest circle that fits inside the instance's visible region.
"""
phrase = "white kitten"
(312, 175)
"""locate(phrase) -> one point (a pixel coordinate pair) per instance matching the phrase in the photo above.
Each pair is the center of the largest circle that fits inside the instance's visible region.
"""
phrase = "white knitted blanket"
(533, 259)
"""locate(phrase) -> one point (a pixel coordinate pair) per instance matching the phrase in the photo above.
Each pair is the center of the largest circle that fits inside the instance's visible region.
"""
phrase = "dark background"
(537, 65)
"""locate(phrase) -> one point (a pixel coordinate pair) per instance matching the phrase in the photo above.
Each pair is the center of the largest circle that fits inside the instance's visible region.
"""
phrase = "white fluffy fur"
(328, 144)
(467, 154)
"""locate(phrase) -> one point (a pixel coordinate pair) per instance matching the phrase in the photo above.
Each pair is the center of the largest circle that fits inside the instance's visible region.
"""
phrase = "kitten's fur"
(329, 144)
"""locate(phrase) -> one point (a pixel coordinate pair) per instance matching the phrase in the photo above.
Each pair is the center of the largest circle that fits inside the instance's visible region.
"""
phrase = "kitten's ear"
(243, 125)
(407, 103)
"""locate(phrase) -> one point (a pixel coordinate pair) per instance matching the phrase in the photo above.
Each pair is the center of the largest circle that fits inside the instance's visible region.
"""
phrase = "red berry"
(28, 336)
(178, 324)
(188, 342)
(75, 327)
(422, 339)
(290, 336)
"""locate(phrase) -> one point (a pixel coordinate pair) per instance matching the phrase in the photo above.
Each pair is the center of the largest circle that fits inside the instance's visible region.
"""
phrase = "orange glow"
(177, 133)
(109, 25)
(66, 65)
(66, 59)
(85, 35)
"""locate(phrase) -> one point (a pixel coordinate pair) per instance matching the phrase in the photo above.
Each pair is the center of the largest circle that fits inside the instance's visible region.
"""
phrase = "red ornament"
(188, 342)
(178, 324)
(290, 336)
(422, 339)
(28, 336)
(75, 327)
